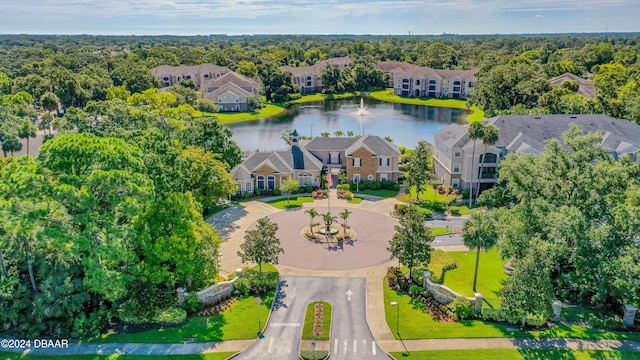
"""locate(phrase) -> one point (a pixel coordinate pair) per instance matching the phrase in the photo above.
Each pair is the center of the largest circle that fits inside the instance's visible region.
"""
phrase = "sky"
(378, 17)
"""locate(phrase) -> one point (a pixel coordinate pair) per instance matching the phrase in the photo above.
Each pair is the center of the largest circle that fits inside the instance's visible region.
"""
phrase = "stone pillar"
(557, 309)
(427, 279)
(182, 296)
(239, 272)
(477, 305)
(629, 315)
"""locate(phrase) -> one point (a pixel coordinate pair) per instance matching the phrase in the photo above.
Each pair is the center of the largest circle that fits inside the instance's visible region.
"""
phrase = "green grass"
(416, 323)
(295, 202)
(307, 330)
(491, 274)
(322, 97)
(355, 200)
(515, 354)
(207, 356)
(428, 195)
(237, 323)
(581, 332)
(311, 355)
(476, 114)
(386, 193)
(440, 230)
(465, 210)
(233, 117)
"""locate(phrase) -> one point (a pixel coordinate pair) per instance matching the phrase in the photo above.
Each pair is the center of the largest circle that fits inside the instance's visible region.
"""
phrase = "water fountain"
(362, 110)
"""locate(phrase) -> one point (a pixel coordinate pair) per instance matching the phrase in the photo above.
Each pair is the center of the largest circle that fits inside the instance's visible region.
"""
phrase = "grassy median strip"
(293, 202)
(310, 317)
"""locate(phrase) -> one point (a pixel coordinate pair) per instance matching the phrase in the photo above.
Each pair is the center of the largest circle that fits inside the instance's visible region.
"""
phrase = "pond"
(405, 124)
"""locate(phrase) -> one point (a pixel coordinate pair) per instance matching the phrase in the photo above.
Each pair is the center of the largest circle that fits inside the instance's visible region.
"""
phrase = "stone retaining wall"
(214, 293)
(444, 295)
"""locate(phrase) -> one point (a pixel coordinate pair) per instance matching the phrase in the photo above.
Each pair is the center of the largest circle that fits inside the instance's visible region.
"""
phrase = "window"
(334, 158)
(237, 107)
(384, 161)
(383, 177)
(432, 87)
(237, 100)
(405, 80)
(305, 179)
(271, 182)
(491, 158)
(456, 83)
(308, 78)
(166, 78)
(405, 86)
(470, 84)
(417, 82)
(432, 81)
(457, 153)
(357, 162)
(238, 189)
(166, 83)
(188, 77)
(456, 88)
(261, 182)
(248, 187)
(356, 178)
(370, 177)
(206, 76)
(456, 168)
(455, 183)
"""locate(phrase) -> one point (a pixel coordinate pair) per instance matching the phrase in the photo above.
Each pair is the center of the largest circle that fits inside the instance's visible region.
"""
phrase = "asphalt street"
(350, 335)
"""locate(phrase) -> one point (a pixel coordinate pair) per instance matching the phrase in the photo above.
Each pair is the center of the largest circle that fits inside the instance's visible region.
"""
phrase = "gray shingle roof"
(528, 133)
(585, 87)
(329, 143)
(375, 144)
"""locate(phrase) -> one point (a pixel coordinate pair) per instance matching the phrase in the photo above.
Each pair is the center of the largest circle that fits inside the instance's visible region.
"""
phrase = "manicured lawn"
(232, 117)
(294, 202)
(355, 200)
(428, 195)
(418, 324)
(440, 230)
(387, 95)
(307, 330)
(238, 322)
(515, 354)
(464, 210)
(207, 356)
(382, 192)
(491, 274)
(322, 97)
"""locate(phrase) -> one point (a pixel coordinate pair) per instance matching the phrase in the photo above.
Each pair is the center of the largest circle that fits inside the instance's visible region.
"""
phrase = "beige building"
(308, 77)
(453, 149)
(172, 75)
(585, 87)
(368, 158)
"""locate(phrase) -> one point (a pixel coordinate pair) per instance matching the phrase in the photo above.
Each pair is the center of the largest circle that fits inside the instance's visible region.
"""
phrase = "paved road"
(350, 337)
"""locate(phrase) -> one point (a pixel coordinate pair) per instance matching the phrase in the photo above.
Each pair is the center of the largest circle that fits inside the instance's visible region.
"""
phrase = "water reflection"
(405, 124)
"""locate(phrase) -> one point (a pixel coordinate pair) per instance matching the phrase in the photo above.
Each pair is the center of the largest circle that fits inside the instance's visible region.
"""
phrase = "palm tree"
(475, 132)
(490, 137)
(328, 220)
(338, 133)
(345, 215)
(312, 214)
(388, 138)
(27, 130)
(350, 133)
(479, 232)
(325, 134)
(286, 136)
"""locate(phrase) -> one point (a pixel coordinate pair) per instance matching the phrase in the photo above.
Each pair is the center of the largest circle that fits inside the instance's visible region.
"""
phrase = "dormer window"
(206, 76)
(457, 153)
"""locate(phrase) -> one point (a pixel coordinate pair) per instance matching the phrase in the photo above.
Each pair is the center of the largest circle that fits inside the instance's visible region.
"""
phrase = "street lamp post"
(395, 303)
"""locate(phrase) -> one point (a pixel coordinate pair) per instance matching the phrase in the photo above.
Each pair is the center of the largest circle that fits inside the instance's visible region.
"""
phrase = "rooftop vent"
(536, 117)
(573, 117)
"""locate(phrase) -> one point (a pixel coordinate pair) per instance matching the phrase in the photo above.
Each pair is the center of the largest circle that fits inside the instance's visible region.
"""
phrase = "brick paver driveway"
(369, 248)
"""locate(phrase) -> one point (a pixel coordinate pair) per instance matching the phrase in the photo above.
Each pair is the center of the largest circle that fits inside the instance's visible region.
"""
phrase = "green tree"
(180, 249)
(332, 79)
(50, 102)
(344, 216)
(5, 84)
(411, 243)
(328, 220)
(489, 137)
(528, 291)
(11, 144)
(475, 131)
(209, 134)
(118, 92)
(325, 134)
(248, 69)
(289, 186)
(420, 172)
(277, 84)
(338, 133)
(479, 233)
(312, 214)
(207, 178)
(26, 131)
(261, 245)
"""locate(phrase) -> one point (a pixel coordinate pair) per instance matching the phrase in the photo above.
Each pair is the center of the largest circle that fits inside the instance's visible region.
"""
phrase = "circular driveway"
(369, 248)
